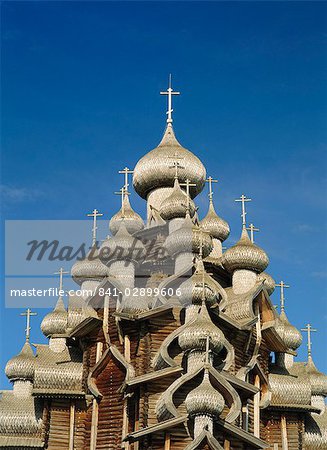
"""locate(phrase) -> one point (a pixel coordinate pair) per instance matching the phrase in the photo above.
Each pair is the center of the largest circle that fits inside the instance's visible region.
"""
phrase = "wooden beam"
(227, 444)
(256, 404)
(283, 425)
(167, 441)
(71, 425)
(95, 406)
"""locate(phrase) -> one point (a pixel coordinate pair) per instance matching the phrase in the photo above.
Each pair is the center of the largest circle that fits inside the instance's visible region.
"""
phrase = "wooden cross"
(282, 286)
(169, 93)
(308, 330)
(188, 184)
(126, 171)
(210, 180)
(252, 229)
(60, 273)
(243, 199)
(95, 213)
(176, 165)
(28, 313)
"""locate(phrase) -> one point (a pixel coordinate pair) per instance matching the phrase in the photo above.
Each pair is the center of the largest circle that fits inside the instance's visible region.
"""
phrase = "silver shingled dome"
(175, 205)
(245, 255)
(21, 366)
(132, 220)
(216, 226)
(90, 268)
(56, 321)
(194, 336)
(204, 400)
(154, 170)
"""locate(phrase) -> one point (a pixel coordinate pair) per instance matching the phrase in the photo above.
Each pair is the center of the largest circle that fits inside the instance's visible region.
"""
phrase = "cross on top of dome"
(243, 199)
(252, 229)
(170, 92)
(28, 313)
(308, 329)
(282, 286)
(95, 214)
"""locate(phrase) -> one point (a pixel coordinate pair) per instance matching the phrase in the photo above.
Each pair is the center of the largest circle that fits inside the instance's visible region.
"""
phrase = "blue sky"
(80, 100)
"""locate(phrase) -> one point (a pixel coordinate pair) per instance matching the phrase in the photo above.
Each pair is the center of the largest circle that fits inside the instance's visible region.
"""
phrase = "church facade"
(175, 344)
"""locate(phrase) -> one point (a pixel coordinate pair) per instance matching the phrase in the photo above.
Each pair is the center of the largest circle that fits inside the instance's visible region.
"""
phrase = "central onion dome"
(189, 238)
(176, 204)
(200, 286)
(21, 367)
(318, 380)
(121, 247)
(132, 220)
(194, 335)
(269, 282)
(56, 321)
(204, 400)
(90, 268)
(289, 334)
(245, 255)
(154, 170)
(216, 226)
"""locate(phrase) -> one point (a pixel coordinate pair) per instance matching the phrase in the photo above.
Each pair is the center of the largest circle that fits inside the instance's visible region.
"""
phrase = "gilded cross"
(309, 330)
(210, 180)
(169, 94)
(28, 313)
(252, 229)
(126, 171)
(95, 213)
(243, 199)
(282, 286)
(176, 164)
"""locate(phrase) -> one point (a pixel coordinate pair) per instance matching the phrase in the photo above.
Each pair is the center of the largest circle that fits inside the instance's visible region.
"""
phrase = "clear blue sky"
(80, 100)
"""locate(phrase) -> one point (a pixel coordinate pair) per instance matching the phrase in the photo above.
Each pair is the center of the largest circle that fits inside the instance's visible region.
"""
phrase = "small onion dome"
(187, 238)
(200, 286)
(175, 204)
(154, 170)
(194, 336)
(90, 268)
(132, 220)
(318, 380)
(216, 226)
(21, 367)
(289, 334)
(245, 255)
(56, 321)
(269, 282)
(204, 400)
(121, 247)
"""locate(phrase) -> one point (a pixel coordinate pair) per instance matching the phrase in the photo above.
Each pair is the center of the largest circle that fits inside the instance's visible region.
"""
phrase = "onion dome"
(200, 286)
(21, 366)
(269, 282)
(217, 227)
(90, 268)
(188, 238)
(245, 255)
(121, 247)
(153, 170)
(132, 220)
(175, 205)
(318, 380)
(204, 400)
(56, 321)
(194, 335)
(289, 334)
